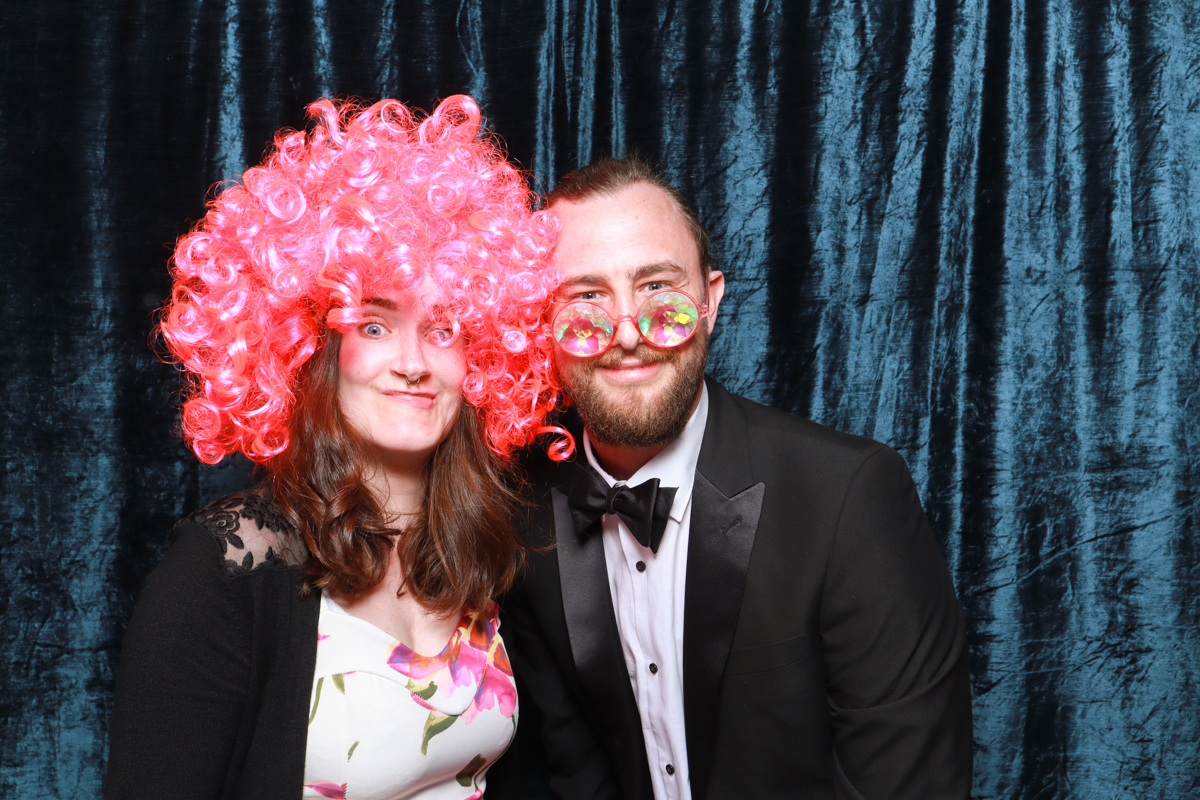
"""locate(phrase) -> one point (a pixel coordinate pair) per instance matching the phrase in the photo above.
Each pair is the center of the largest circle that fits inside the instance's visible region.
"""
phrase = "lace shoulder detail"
(252, 532)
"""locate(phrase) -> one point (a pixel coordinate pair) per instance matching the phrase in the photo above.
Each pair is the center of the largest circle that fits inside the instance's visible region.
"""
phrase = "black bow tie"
(643, 508)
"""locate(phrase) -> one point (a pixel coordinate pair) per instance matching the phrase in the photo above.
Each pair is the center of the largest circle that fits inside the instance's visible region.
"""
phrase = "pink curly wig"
(369, 199)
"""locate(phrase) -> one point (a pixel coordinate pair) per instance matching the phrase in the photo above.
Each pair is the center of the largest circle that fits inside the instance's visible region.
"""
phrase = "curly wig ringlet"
(370, 198)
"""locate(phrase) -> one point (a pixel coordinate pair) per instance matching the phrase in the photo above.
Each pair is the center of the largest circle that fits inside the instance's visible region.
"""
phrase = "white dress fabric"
(386, 723)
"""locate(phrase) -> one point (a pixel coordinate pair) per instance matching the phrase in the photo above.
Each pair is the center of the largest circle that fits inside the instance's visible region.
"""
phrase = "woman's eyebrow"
(381, 302)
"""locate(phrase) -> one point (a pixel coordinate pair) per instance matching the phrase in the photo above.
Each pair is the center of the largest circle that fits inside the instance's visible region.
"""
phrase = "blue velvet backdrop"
(963, 227)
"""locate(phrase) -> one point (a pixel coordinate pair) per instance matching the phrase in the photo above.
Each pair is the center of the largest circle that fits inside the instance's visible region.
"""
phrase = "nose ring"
(408, 381)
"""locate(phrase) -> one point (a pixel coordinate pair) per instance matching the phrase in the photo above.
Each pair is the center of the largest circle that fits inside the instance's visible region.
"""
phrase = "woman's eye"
(440, 336)
(374, 330)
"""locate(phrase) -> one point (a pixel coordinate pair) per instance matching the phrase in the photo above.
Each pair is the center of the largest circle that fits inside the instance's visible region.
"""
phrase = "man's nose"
(626, 336)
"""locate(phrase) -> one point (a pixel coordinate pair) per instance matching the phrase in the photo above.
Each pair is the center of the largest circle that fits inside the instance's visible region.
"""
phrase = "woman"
(362, 317)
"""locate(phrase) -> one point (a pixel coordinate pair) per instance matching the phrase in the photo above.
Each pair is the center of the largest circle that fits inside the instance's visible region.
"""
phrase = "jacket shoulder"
(783, 449)
(768, 425)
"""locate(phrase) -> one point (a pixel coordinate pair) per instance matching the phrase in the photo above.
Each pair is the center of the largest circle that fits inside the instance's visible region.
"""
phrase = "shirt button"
(670, 769)
(654, 671)
(641, 566)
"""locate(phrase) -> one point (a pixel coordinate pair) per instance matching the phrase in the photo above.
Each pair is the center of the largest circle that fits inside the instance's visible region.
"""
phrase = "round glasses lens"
(668, 319)
(583, 329)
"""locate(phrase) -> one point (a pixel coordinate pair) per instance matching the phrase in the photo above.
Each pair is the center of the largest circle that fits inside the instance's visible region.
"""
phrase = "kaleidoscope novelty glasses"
(666, 319)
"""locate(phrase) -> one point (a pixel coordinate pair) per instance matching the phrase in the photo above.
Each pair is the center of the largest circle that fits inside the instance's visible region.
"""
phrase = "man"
(727, 601)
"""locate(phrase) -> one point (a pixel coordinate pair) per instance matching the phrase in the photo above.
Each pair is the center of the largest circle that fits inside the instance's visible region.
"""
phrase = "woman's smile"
(424, 400)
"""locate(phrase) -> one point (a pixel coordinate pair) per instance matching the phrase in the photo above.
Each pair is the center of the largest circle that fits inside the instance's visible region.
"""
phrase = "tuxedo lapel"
(596, 646)
(725, 513)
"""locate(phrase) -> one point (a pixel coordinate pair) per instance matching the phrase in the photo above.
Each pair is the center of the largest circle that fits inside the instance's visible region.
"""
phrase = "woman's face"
(396, 385)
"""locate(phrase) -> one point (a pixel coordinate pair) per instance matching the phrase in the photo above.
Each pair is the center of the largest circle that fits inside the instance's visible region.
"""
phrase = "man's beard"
(623, 417)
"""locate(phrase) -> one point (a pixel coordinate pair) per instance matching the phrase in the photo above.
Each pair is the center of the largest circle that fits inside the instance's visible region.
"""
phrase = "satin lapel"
(719, 545)
(596, 646)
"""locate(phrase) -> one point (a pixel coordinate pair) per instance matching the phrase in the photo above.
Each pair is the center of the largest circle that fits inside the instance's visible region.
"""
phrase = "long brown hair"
(457, 552)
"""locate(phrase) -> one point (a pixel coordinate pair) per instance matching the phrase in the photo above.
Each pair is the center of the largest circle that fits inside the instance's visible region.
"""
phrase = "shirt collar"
(675, 465)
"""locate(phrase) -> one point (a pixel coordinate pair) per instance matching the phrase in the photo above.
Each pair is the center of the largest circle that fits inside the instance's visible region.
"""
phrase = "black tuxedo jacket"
(824, 652)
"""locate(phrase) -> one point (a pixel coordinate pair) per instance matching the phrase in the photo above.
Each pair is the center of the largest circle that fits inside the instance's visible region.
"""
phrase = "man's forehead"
(636, 197)
(623, 236)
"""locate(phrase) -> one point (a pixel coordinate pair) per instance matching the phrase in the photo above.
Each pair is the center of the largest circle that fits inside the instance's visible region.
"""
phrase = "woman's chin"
(407, 454)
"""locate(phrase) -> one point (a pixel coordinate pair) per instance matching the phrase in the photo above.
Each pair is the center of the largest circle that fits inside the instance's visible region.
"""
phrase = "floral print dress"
(386, 723)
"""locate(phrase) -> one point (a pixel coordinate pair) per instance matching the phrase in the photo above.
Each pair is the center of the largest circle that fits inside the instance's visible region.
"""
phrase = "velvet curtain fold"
(967, 229)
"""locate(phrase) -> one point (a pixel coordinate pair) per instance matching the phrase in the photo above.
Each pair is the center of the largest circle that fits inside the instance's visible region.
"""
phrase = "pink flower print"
(474, 649)
(464, 656)
(474, 646)
(495, 690)
(409, 663)
(495, 683)
(328, 789)
(413, 665)
(474, 655)
(499, 658)
(322, 637)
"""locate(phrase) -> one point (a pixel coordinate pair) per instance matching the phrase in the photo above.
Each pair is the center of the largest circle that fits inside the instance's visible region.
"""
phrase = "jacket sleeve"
(182, 682)
(556, 748)
(895, 646)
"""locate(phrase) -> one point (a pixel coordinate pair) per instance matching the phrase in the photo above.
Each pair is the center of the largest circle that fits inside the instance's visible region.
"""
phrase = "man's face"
(616, 251)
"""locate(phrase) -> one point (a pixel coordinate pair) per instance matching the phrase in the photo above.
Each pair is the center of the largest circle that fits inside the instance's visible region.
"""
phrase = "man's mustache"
(644, 353)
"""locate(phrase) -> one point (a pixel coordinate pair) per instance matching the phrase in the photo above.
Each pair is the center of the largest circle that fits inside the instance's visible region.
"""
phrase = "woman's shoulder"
(250, 529)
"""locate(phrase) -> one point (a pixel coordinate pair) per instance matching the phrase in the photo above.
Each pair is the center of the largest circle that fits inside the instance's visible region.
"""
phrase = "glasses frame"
(633, 318)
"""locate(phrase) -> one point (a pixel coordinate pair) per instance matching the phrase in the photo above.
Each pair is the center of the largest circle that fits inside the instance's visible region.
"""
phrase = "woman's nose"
(409, 360)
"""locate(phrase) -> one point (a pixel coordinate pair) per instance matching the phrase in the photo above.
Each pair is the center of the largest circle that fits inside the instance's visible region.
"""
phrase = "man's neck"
(623, 462)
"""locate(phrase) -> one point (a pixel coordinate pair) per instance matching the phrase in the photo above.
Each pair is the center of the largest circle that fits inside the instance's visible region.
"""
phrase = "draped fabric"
(963, 227)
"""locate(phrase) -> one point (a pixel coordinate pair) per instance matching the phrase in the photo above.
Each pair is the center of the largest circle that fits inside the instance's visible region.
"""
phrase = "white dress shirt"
(647, 592)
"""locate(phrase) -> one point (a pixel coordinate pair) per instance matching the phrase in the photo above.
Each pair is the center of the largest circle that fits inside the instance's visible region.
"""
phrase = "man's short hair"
(608, 176)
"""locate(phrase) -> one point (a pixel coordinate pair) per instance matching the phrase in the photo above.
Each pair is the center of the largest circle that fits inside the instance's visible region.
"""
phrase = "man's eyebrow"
(640, 274)
(655, 270)
(381, 302)
(586, 280)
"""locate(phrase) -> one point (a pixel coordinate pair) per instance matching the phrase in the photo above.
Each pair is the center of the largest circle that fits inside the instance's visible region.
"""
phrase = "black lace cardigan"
(216, 668)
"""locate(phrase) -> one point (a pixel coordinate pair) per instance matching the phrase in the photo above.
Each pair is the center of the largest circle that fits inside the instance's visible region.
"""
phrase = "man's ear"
(716, 290)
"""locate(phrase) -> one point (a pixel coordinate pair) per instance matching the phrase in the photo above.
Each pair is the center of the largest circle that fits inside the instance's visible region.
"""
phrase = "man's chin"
(642, 414)
(633, 401)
